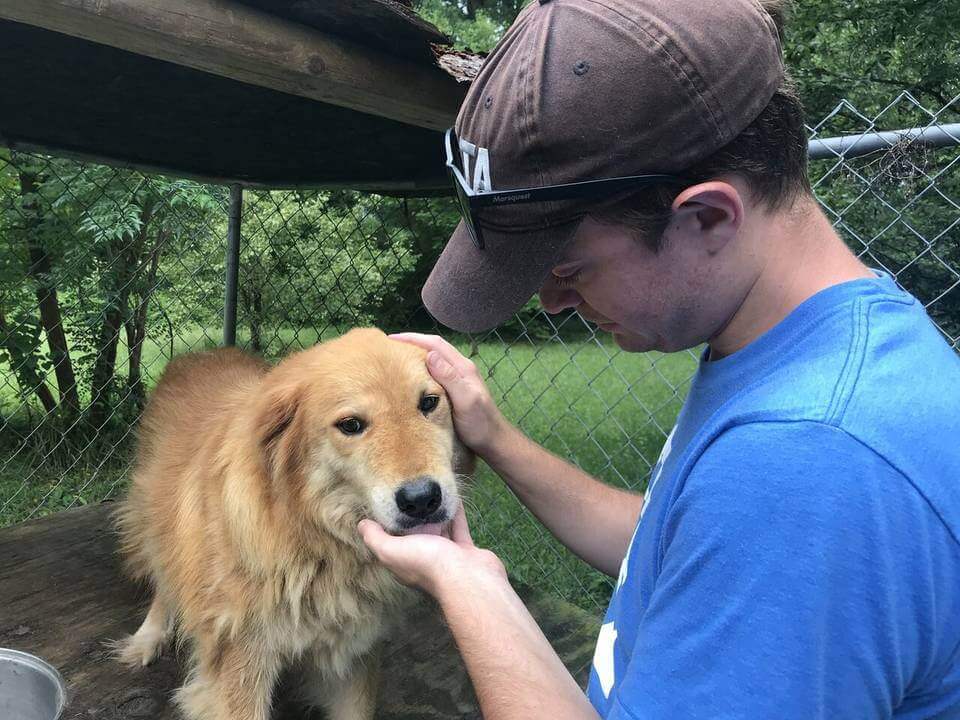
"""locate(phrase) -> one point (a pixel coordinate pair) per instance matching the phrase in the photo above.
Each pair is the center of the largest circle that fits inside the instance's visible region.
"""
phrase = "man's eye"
(566, 280)
(428, 403)
(351, 426)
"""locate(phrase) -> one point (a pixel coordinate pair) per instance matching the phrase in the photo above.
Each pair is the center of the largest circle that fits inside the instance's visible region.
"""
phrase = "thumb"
(459, 530)
(442, 371)
(373, 535)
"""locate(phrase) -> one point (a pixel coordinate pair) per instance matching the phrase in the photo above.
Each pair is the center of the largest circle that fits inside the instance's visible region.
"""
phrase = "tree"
(89, 239)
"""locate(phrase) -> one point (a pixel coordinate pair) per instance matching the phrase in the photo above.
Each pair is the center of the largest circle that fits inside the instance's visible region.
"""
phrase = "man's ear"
(281, 429)
(712, 211)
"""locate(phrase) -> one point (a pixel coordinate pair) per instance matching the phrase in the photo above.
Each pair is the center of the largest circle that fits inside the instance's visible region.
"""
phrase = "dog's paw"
(138, 650)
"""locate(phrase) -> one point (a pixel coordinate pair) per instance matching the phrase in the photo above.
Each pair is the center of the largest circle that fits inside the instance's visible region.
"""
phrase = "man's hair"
(770, 154)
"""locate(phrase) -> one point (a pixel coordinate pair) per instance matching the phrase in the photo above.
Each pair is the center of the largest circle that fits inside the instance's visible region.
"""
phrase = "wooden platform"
(62, 595)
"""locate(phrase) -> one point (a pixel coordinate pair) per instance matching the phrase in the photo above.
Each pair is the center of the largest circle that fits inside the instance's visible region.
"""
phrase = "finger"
(442, 371)
(421, 339)
(459, 529)
(373, 535)
(436, 344)
(427, 342)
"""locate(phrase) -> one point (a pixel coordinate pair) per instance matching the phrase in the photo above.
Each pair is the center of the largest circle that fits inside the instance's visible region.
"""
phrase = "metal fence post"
(233, 266)
(852, 146)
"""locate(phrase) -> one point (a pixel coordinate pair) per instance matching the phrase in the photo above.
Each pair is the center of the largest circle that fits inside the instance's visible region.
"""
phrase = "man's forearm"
(515, 672)
(594, 520)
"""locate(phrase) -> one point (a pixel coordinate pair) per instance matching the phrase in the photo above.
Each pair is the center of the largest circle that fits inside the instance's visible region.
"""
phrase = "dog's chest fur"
(334, 615)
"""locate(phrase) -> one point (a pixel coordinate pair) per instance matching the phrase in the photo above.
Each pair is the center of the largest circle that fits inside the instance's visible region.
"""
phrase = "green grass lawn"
(607, 411)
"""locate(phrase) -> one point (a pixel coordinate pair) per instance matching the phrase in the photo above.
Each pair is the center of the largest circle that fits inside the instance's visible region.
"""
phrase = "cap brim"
(472, 290)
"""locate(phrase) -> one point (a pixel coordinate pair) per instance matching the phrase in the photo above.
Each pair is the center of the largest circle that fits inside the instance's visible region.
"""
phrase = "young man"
(796, 554)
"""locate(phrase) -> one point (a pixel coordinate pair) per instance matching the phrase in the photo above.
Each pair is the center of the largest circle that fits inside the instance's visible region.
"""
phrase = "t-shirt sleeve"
(797, 580)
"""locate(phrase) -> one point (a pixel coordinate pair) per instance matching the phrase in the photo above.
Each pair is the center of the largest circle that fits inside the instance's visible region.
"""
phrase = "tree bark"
(253, 301)
(127, 262)
(103, 368)
(137, 329)
(46, 292)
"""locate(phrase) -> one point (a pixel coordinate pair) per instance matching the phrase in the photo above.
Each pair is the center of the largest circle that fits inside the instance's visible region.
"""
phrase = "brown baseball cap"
(584, 90)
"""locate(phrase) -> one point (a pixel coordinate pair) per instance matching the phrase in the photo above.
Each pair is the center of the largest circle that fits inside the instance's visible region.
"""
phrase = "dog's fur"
(243, 510)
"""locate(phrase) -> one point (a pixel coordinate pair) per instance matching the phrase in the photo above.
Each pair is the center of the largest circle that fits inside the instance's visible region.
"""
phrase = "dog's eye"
(428, 403)
(350, 426)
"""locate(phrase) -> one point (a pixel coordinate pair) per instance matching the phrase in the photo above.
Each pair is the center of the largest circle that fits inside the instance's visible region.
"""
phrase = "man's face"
(669, 300)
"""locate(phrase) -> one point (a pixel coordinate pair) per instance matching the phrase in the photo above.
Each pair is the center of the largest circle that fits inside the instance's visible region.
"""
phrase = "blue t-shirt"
(798, 554)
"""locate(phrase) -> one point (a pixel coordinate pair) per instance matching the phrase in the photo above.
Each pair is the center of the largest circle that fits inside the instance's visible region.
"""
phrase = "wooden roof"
(311, 93)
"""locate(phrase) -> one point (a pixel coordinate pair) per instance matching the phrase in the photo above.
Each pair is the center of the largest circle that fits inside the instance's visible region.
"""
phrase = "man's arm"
(594, 520)
(515, 672)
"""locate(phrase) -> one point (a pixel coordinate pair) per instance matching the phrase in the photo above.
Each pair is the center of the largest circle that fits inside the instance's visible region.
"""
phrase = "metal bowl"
(30, 689)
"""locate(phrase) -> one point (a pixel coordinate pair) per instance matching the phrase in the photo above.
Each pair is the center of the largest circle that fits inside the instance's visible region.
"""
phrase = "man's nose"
(556, 299)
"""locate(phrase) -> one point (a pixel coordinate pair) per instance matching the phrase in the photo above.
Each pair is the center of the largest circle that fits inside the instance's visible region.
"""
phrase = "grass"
(607, 411)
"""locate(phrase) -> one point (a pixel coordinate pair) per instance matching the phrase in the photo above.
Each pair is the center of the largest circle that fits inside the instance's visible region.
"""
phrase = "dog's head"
(356, 427)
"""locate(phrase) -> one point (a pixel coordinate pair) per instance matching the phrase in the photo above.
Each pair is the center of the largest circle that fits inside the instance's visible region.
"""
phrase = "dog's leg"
(353, 697)
(235, 684)
(145, 645)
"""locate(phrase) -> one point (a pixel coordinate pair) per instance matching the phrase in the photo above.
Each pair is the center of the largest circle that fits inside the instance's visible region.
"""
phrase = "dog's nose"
(419, 498)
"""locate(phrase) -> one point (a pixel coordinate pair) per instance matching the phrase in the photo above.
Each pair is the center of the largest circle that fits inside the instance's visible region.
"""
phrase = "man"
(797, 553)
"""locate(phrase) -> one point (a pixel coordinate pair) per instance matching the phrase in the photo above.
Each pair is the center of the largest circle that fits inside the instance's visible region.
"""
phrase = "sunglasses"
(470, 200)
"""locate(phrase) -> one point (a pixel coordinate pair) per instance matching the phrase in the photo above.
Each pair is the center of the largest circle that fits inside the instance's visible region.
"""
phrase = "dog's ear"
(464, 459)
(281, 430)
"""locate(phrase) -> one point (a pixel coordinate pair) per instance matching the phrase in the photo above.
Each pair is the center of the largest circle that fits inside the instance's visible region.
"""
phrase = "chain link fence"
(106, 274)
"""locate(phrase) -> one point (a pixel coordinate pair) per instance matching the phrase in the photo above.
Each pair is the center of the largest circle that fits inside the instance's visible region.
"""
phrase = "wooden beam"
(245, 44)
(400, 188)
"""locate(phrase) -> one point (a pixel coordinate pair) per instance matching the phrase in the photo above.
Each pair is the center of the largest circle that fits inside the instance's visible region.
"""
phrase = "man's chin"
(630, 342)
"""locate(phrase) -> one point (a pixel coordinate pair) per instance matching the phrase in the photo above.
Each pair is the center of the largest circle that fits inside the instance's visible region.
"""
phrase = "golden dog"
(243, 510)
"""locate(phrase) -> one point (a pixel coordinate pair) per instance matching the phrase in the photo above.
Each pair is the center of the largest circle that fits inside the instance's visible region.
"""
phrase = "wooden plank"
(388, 25)
(394, 188)
(62, 595)
(87, 100)
(246, 44)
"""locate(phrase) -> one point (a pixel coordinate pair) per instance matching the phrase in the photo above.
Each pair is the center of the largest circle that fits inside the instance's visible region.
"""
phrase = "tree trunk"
(128, 262)
(253, 301)
(27, 376)
(103, 368)
(134, 380)
(137, 329)
(50, 318)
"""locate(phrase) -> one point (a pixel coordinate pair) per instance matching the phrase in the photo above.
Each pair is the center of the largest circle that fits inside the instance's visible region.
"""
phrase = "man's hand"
(515, 671)
(434, 563)
(478, 421)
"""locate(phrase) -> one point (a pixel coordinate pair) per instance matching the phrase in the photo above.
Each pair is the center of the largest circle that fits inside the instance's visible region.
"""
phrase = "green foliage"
(474, 24)
(869, 50)
(83, 238)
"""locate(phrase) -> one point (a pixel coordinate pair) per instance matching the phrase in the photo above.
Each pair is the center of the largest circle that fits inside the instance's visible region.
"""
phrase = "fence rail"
(107, 273)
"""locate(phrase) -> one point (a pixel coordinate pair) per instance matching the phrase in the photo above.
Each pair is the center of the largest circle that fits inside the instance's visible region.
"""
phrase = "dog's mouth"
(431, 525)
